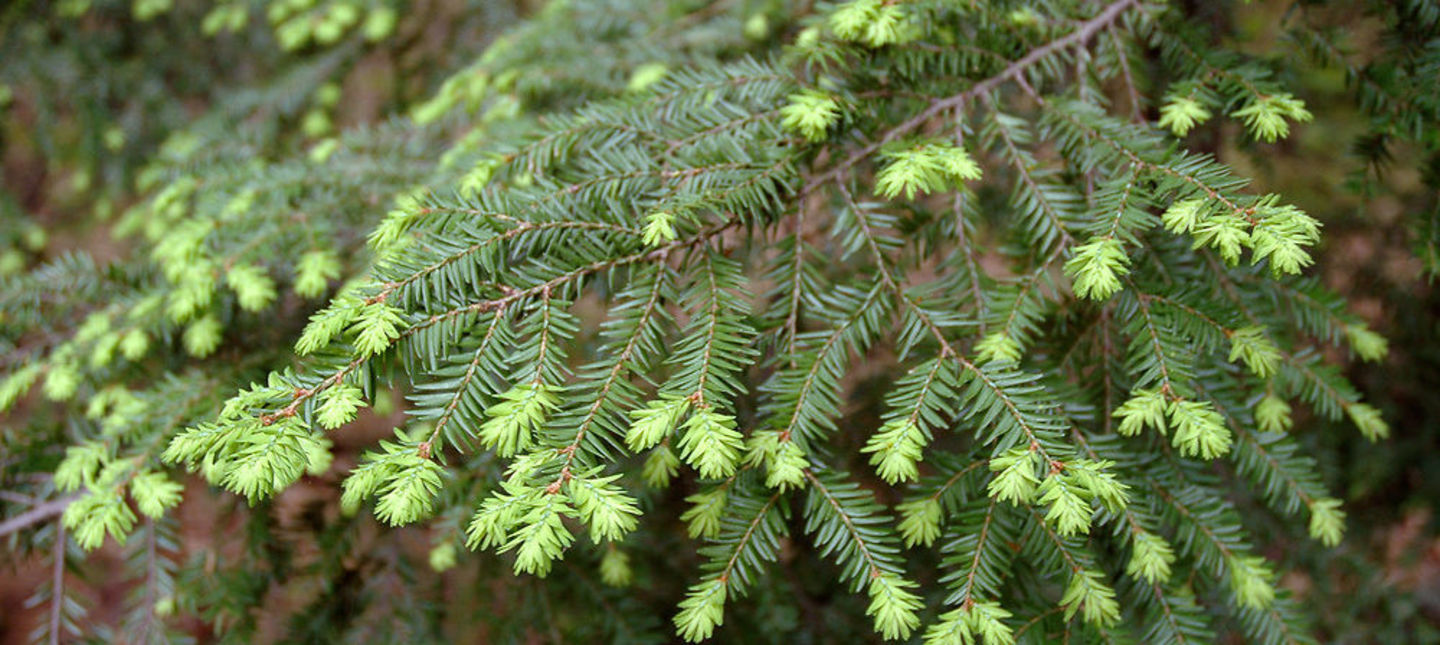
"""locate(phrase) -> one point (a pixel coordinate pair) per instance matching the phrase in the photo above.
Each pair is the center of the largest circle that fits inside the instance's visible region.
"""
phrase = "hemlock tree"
(912, 320)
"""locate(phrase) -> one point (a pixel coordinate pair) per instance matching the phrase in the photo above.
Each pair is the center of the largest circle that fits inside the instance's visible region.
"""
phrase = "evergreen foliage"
(931, 301)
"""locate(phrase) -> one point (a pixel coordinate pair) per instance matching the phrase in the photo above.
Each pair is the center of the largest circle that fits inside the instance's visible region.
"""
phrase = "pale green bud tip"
(1068, 511)
(894, 608)
(1199, 429)
(253, 288)
(1266, 116)
(314, 272)
(1088, 595)
(703, 517)
(338, 406)
(91, 517)
(615, 568)
(1015, 479)
(1327, 521)
(660, 467)
(1281, 235)
(896, 450)
(920, 521)
(711, 444)
(322, 150)
(443, 557)
(659, 228)
(646, 75)
(1097, 266)
(1250, 581)
(608, 509)
(808, 38)
(1272, 414)
(377, 326)
(154, 493)
(972, 624)
(1369, 345)
(513, 422)
(203, 336)
(1150, 558)
(872, 22)
(379, 24)
(1226, 233)
(1181, 114)
(924, 168)
(783, 460)
(17, 383)
(702, 610)
(1369, 420)
(61, 382)
(811, 114)
(757, 26)
(1144, 408)
(654, 422)
(1253, 346)
(135, 344)
(998, 347)
(1182, 216)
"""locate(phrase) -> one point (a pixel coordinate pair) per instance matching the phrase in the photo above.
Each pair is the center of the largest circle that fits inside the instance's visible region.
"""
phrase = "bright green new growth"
(1097, 267)
(659, 228)
(1182, 216)
(604, 506)
(653, 423)
(615, 569)
(1150, 557)
(1272, 414)
(514, 421)
(998, 346)
(1367, 344)
(154, 493)
(1089, 596)
(702, 610)
(254, 290)
(376, 326)
(1144, 408)
(976, 624)
(403, 482)
(1015, 478)
(1252, 346)
(897, 449)
(202, 337)
(1199, 429)
(97, 514)
(811, 114)
(1268, 117)
(875, 23)
(314, 272)
(1181, 114)
(783, 461)
(920, 521)
(925, 167)
(710, 443)
(338, 406)
(1249, 581)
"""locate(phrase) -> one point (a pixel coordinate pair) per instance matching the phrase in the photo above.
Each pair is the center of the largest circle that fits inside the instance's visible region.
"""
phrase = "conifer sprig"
(924, 274)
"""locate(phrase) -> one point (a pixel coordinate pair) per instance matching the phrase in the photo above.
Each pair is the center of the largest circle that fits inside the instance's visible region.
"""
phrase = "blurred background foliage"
(99, 98)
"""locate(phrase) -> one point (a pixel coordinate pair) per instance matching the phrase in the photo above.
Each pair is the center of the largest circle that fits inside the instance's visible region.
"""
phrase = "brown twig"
(39, 513)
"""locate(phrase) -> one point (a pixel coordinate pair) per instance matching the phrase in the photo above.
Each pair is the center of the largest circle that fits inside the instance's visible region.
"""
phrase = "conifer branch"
(620, 281)
(1079, 36)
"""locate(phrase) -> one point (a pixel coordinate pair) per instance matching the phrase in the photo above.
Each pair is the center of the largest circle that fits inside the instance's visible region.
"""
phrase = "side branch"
(40, 513)
(1083, 34)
